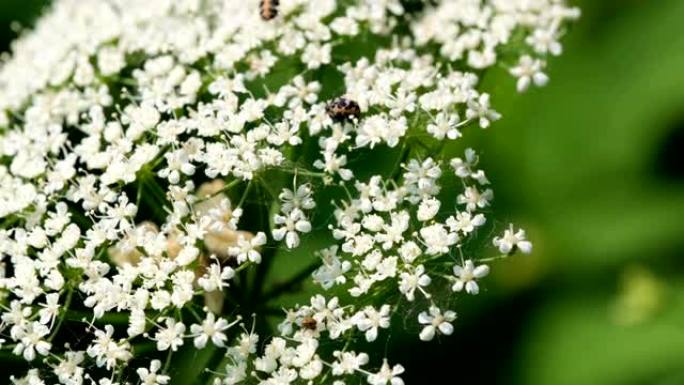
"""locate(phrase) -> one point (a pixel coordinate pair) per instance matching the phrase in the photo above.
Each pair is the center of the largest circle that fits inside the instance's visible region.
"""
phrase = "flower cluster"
(156, 157)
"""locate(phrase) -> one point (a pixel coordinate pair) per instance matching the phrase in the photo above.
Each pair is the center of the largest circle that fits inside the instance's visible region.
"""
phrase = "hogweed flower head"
(156, 157)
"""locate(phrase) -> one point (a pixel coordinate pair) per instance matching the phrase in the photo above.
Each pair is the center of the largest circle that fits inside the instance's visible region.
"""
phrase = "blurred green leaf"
(575, 340)
(584, 149)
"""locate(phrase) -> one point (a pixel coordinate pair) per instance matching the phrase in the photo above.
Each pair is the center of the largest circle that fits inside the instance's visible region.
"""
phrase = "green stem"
(64, 311)
(292, 282)
(227, 188)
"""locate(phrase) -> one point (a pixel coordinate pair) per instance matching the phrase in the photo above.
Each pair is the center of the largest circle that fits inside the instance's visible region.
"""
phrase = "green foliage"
(585, 153)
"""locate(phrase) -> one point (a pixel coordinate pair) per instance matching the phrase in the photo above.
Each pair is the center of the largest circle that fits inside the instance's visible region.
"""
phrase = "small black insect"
(309, 323)
(343, 109)
(268, 9)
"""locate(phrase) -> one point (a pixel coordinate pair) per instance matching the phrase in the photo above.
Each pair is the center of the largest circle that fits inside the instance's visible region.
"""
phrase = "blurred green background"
(592, 166)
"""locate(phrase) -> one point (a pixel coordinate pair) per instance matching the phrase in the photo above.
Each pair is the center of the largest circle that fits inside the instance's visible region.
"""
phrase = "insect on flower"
(343, 109)
(268, 9)
(309, 323)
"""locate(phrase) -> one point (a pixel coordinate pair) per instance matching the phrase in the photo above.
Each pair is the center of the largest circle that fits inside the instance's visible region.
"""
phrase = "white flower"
(436, 321)
(410, 281)
(107, 118)
(445, 125)
(150, 376)
(377, 129)
(371, 319)
(106, 350)
(464, 168)
(427, 209)
(393, 233)
(316, 55)
(545, 40)
(512, 241)
(50, 309)
(216, 277)
(332, 164)
(235, 373)
(68, 370)
(295, 222)
(333, 269)
(170, 337)
(409, 251)
(248, 249)
(479, 108)
(178, 163)
(421, 178)
(473, 199)
(467, 275)
(348, 362)
(437, 239)
(299, 199)
(31, 337)
(529, 71)
(211, 328)
(223, 86)
(387, 375)
(247, 344)
(465, 222)
(304, 352)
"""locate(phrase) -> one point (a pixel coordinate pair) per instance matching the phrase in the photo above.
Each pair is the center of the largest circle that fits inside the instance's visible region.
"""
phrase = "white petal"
(525, 246)
(481, 271)
(446, 328)
(472, 288)
(428, 333)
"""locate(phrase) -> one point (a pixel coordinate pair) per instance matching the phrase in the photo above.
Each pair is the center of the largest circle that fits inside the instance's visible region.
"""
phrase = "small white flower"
(178, 164)
(465, 222)
(512, 241)
(464, 168)
(479, 108)
(333, 269)
(437, 239)
(387, 375)
(473, 199)
(292, 224)
(216, 277)
(445, 125)
(211, 328)
(247, 344)
(150, 376)
(299, 199)
(428, 208)
(467, 275)
(348, 362)
(332, 164)
(371, 319)
(529, 71)
(316, 55)
(170, 337)
(545, 40)
(31, 341)
(410, 281)
(236, 373)
(435, 322)
(69, 371)
(409, 251)
(50, 309)
(248, 249)
(106, 350)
